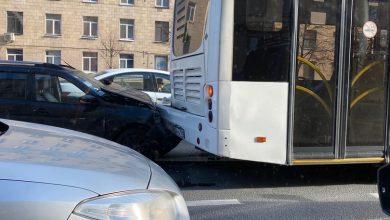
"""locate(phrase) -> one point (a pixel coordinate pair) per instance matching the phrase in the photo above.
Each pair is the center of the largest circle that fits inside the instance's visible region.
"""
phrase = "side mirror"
(88, 99)
(106, 81)
(384, 188)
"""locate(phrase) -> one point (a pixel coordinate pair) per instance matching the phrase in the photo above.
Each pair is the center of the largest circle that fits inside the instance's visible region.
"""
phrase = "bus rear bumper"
(192, 128)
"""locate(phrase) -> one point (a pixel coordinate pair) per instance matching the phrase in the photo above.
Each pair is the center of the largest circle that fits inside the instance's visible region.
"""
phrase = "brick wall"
(34, 42)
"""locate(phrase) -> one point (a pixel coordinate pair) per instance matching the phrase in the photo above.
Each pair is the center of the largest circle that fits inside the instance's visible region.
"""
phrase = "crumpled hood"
(130, 93)
(39, 153)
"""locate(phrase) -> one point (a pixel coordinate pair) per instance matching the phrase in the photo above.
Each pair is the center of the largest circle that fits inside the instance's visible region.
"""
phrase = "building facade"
(90, 35)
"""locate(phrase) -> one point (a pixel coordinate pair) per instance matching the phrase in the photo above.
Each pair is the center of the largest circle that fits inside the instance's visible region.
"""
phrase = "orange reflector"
(260, 139)
(210, 91)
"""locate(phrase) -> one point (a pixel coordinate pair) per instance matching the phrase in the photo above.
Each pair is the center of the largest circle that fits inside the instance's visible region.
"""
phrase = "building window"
(161, 63)
(191, 13)
(126, 2)
(126, 60)
(127, 29)
(15, 22)
(90, 26)
(162, 31)
(310, 39)
(15, 54)
(90, 1)
(162, 3)
(53, 56)
(53, 24)
(90, 62)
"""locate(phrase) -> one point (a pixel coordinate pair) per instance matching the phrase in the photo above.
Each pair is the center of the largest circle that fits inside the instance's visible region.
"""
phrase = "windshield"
(88, 80)
(190, 20)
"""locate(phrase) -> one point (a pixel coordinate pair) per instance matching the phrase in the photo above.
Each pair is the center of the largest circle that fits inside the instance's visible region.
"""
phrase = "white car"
(155, 83)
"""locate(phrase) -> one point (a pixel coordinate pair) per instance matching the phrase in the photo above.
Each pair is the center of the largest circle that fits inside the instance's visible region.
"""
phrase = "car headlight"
(142, 204)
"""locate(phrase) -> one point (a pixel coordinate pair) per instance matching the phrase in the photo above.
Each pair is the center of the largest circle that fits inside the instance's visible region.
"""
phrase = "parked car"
(383, 182)
(54, 173)
(65, 97)
(155, 83)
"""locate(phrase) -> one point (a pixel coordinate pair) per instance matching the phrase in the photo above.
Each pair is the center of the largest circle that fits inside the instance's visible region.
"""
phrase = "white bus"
(286, 82)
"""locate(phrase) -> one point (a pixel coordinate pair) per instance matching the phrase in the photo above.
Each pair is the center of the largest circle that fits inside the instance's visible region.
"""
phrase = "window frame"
(161, 56)
(163, 30)
(90, 62)
(54, 21)
(14, 54)
(53, 56)
(127, 25)
(90, 26)
(18, 21)
(90, 1)
(126, 60)
(162, 4)
(126, 4)
(191, 8)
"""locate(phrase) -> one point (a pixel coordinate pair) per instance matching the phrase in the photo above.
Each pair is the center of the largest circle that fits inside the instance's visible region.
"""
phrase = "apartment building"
(90, 35)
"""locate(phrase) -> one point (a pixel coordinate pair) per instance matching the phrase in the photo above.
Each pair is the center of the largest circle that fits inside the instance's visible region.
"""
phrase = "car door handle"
(40, 111)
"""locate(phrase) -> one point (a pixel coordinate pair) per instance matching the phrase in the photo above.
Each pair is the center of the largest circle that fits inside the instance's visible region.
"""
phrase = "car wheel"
(135, 139)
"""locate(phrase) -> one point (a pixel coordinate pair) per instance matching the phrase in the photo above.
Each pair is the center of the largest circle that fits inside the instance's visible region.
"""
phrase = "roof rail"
(30, 63)
(33, 63)
(49, 65)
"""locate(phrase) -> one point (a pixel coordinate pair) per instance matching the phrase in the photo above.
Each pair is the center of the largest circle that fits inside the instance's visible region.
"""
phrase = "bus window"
(368, 77)
(262, 36)
(190, 18)
(316, 75)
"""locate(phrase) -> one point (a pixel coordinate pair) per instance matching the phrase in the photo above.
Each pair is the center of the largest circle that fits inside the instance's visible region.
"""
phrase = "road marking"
(376, 195)
(379, 219)
(213, 202)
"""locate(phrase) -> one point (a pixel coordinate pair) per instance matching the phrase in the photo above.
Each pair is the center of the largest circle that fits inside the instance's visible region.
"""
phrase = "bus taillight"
(210, 91)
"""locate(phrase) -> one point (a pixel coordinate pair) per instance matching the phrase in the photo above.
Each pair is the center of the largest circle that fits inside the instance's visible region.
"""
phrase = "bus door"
(341, 81)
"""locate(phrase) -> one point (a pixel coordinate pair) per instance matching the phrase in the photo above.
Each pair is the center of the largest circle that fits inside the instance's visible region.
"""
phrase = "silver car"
(53, 173)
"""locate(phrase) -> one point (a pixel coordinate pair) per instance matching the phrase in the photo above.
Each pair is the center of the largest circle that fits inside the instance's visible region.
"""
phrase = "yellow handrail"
(364, 70)
(363, 95)
(317, 97)
(318, 71)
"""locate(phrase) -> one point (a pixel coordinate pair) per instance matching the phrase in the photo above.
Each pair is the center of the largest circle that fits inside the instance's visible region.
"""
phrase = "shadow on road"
(239, 174)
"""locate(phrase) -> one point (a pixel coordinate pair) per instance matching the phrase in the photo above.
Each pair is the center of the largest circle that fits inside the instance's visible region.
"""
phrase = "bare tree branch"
(110, 48)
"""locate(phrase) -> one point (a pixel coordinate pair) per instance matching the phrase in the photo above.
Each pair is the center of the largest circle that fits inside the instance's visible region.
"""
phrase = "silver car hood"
(39, 153)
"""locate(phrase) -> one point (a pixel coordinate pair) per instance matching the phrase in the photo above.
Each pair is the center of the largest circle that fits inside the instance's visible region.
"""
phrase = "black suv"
(65, 97)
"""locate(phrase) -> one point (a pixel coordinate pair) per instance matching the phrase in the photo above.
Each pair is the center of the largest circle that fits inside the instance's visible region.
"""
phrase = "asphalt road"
(244, 190)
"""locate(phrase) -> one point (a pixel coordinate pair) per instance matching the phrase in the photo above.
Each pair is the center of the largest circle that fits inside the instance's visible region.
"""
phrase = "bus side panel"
(259, 109)
(187, 78)
(213, 38)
